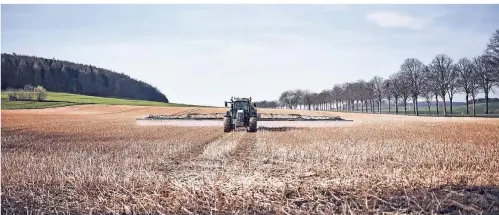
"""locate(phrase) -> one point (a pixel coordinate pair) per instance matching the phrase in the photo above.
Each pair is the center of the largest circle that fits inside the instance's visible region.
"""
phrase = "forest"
(435, 83)
(63, 76)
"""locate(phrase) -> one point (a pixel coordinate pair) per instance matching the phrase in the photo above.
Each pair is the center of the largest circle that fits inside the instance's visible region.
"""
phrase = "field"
(97, 159)
(55, 99)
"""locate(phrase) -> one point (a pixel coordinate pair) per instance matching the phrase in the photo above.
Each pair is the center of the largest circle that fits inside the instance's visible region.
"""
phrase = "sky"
(204, 54)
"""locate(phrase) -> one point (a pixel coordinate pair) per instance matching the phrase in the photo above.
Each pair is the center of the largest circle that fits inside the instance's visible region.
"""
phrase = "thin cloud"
(397, 20)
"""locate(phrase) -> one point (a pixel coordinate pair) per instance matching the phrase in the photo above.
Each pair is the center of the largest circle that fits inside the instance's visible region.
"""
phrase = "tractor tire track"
(245, 148)
(184, 158)
(221, 148)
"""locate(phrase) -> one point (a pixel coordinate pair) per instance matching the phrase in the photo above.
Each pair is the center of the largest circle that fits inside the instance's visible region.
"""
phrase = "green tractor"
(241, 114)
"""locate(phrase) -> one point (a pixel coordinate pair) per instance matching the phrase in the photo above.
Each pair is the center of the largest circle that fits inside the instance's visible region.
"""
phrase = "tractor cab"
(241, 105)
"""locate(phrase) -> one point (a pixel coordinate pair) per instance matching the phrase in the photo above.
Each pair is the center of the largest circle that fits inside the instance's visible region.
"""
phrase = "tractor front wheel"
(252, 124)
(227, 124)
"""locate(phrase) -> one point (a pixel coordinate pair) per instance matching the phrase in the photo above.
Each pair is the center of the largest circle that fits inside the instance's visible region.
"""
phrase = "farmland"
(96, 158)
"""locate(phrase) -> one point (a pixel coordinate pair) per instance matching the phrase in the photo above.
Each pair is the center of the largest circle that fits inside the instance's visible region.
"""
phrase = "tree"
(412, 70)
(405, 89)
(387, 92)
(492, 50)
(286, 99)
(299, 94)
(427, 87)
(452, 85)
(377, 83)
(474, 86)
(338, 93)
(308, 99)
(485, 77)
(441, 65)
(396, 90)
(465, 70)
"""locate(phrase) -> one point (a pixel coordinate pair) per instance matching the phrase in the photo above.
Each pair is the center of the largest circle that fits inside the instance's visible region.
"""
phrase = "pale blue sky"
(204, 54)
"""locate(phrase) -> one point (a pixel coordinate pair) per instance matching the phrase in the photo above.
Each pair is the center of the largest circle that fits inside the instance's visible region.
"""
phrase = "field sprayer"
(241, 113)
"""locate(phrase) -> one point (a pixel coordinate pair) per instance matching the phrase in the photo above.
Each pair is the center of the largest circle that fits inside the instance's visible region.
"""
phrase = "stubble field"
(97, 159)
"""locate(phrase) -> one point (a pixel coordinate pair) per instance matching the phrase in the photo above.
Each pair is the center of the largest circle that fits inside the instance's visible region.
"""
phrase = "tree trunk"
(487, 102)
(396, 105)
(379, 105)
(445, 103)
(417, 108)
(413, 105)
(436, 99)
(467, 103)
(389, 106)
(450, 100)
(474, 108)
(429, 111)
(405, 106)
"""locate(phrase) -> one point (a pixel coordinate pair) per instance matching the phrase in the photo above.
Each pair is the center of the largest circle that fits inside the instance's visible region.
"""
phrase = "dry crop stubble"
(92, 158)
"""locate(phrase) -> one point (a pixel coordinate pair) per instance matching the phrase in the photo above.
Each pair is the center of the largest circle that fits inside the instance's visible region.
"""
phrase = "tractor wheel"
(227, 124)
(252, 124)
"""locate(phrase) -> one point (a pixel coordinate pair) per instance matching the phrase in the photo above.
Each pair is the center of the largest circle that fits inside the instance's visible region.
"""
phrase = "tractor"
(241, 114)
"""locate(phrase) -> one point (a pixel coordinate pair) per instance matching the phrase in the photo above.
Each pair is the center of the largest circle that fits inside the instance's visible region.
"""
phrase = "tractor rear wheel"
(227, 124)
(252, 124)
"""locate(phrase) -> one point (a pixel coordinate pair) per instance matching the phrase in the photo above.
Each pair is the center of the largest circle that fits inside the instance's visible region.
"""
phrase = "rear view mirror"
(225, 104)
(254, 104)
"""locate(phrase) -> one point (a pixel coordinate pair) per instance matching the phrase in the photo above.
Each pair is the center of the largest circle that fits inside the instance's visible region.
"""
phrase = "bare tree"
(405, 90)
(307, 99)
(465, 71)
(387, 92)
(492, 53)
(474, 85)
(428, 88)
(289, 98)
(412, 69)
(452, 85)
(348, 95)
(338, 92)
(396, 90)
(492, 50)
(377, 83)
(314, 96)
(442, 66)
(485, 77)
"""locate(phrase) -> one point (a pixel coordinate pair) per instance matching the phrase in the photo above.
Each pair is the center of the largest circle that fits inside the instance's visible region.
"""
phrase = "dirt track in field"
(97, 157)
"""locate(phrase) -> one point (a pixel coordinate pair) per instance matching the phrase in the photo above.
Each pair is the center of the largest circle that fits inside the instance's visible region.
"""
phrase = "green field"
(457, 111)
(461, 109)
(65, 99)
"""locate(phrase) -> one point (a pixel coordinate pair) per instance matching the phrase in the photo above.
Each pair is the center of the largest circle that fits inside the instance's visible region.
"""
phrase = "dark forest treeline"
(63, 76)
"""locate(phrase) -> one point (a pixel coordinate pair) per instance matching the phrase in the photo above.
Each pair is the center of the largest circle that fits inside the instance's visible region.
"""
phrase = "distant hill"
(63, 76)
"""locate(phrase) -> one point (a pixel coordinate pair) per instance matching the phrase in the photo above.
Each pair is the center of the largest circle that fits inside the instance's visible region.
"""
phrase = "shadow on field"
(278, 129)
(440, 200)
(446, 199)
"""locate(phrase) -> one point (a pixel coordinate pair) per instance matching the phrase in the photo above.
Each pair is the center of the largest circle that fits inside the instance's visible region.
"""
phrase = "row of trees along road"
(441, 78)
